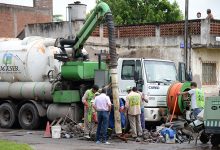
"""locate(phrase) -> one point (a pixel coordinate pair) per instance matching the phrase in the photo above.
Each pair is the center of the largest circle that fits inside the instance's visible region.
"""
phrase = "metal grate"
(215, 27)
(137, 31)
(209, 73)
(176, 29)
(149, 30)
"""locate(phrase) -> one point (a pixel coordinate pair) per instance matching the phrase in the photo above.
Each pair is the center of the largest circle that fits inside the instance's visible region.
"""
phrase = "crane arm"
(96, 17)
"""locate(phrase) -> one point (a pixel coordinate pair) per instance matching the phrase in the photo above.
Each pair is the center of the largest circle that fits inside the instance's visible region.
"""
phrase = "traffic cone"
(47, 133)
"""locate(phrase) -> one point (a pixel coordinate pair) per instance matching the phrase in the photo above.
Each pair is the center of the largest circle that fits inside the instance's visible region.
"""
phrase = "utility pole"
(186, 35)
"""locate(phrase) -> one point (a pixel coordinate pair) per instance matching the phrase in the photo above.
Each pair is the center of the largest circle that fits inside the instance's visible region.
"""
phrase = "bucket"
(56, 130)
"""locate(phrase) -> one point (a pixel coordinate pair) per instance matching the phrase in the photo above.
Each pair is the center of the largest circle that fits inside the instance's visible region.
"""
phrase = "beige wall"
(205, 55)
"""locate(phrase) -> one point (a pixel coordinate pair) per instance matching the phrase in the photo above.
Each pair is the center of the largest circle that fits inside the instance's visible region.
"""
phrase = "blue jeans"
(196, 111)
(103, 117)
(142, 119)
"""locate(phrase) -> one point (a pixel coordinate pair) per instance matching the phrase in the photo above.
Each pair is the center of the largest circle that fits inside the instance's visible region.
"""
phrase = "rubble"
(72, 129)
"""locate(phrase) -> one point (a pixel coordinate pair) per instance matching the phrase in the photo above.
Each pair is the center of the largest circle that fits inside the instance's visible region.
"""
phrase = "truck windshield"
(160, 71)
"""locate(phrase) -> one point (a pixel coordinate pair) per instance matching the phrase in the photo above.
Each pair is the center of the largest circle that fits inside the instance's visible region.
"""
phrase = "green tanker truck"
(38, 80)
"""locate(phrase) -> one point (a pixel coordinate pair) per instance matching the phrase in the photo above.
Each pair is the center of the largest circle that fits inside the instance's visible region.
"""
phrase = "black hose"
(64, 42)
(112, 43)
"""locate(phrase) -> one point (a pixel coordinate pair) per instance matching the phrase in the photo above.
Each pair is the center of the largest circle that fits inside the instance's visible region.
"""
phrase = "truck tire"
(214, 140)
(7, 115)
(204, 138)
(28, 117)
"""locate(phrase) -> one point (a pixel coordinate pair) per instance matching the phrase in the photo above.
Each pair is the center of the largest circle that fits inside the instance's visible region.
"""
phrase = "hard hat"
(128, 88)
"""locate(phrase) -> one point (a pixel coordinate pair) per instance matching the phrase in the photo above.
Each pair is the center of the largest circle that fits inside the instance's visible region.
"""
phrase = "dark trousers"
(103, 117)
(142, 119)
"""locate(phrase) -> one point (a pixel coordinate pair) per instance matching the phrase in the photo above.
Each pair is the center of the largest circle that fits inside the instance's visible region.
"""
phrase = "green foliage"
(8, 145)
(127, 12)
(57, 18)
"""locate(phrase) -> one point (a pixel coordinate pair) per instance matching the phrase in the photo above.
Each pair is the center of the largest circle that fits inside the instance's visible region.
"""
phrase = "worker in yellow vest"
(87, 101)
(197, 99)
(133, 104)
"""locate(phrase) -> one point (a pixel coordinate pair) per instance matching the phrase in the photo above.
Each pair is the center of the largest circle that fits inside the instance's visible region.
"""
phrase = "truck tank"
(24, 68)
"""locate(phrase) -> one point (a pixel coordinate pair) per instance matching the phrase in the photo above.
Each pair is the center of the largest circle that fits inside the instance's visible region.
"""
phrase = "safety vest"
(200, 100)
(134, 100)
(134, 103)
(89, 99)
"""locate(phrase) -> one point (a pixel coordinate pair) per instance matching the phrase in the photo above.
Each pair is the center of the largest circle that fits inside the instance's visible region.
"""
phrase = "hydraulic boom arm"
(96, 17)
(101, 12)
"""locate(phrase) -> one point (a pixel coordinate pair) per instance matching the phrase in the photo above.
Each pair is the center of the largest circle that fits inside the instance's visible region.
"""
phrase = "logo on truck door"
(6, 66)
(153, 87)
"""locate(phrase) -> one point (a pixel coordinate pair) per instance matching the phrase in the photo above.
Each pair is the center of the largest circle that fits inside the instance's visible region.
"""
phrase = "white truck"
(152, 76)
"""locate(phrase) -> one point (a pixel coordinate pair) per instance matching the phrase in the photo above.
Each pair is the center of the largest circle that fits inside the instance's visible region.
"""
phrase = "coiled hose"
(112, 43)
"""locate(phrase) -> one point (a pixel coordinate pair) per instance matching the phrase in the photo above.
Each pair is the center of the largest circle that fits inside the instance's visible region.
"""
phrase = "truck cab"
(152, 76)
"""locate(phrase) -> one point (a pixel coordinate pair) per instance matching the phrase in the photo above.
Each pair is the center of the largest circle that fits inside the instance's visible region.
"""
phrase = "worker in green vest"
(133, 104)
(86, 100)
(197, 99)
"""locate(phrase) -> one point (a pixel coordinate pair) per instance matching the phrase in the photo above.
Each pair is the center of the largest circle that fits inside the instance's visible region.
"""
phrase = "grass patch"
(8, 145)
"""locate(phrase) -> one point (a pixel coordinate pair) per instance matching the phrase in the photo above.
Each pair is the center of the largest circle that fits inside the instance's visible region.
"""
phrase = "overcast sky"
(194, 6)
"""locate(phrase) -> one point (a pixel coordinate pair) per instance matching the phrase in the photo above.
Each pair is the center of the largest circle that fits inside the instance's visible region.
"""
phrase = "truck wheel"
(214, 140)
(7, 115)
(28, 117)
(204, 138)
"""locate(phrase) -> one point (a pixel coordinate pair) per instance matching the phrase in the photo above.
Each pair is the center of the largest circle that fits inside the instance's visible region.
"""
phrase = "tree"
(127, 12)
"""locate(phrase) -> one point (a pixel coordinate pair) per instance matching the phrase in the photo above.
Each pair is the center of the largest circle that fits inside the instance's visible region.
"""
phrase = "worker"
(133, 104)
(111, 115)
(209, 14)
(122, 114)
(102, 105)
(94, 113)
(197, 99)
(86, 100)
(198, 15)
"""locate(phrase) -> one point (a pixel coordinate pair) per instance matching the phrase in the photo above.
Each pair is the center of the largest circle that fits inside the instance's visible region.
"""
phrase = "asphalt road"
(36, 141)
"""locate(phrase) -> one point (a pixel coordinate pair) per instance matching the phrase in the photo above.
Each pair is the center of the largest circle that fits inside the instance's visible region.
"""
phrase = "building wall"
(206, 55)
(161, 41)
(14, 18)
(53, 29)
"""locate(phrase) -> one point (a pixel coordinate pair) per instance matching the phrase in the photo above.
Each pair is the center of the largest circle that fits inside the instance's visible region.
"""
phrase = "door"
(126, 71)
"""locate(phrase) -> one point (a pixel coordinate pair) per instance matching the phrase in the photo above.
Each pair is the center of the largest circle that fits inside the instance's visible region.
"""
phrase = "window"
(128, 68)
(208, 73)
(160, 71)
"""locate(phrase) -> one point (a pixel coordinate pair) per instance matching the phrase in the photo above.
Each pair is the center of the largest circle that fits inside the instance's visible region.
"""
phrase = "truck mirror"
(136, 76)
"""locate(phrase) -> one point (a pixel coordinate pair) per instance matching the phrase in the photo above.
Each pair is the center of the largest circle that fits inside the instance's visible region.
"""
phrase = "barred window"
(208, 73)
